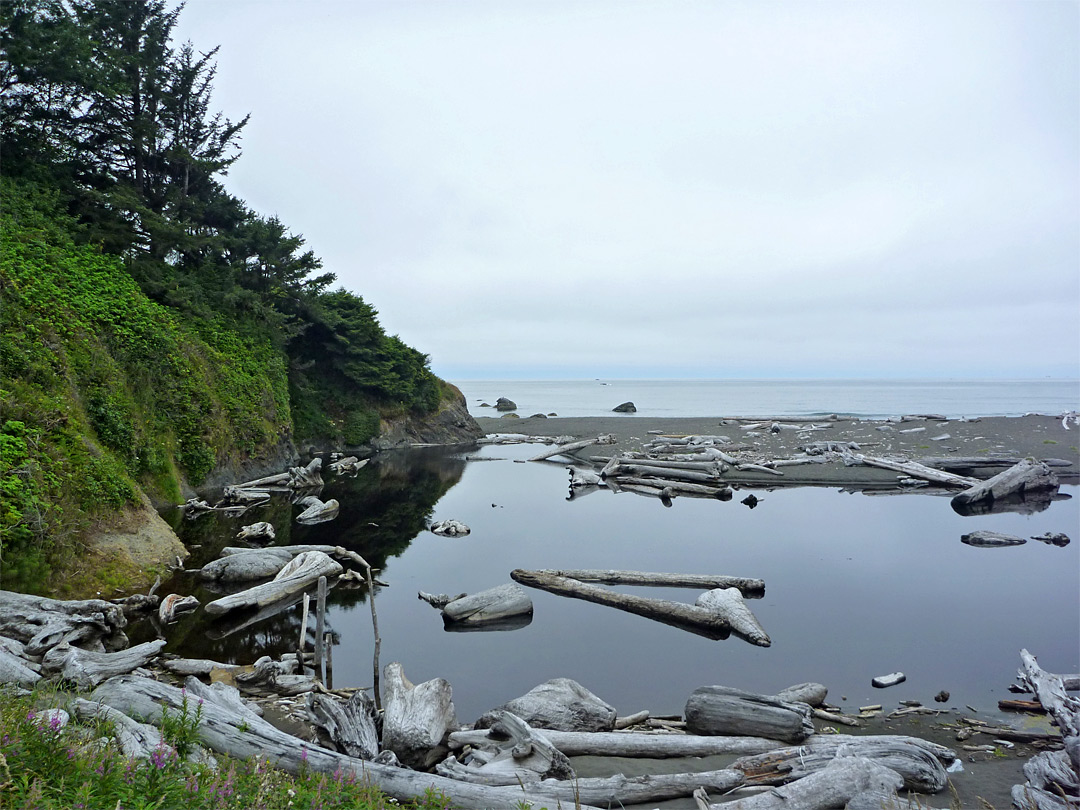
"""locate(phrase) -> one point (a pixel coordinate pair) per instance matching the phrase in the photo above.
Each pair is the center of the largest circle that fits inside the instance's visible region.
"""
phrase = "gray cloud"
(602, 188)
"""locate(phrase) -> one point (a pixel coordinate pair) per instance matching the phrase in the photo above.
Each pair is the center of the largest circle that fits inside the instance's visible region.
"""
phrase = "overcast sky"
(676, 189)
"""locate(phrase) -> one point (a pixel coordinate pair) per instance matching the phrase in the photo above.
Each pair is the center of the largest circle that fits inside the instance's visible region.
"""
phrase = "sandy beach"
(907, 437)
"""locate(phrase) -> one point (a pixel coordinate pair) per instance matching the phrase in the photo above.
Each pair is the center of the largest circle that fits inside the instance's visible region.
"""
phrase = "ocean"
(709, 398)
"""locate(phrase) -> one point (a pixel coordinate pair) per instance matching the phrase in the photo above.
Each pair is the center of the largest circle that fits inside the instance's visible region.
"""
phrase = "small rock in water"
(751, 500)
(626, 407)
(504, 404)
(942, 696)
(883, 681)
(1059, 539)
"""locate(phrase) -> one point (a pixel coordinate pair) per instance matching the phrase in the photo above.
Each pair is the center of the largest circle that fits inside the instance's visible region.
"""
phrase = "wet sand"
(913, 438)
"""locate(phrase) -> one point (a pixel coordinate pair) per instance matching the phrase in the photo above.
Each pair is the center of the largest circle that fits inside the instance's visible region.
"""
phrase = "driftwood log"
(173, 605)
(247, 565)
(916, 470)
(416, 718)
(638, 744)
(563, 449)
(296, 576)
(723, 710)
(230, 727)
(560, 704)
(920, 766)
(1026, 476)
(493, 606)
(41, 623)
(988, 539)
(257, 531)
(842, 780)
(350, 724)
(87, 669)
(15, 668)
(750, 588)
(728, 602)
(702, 621)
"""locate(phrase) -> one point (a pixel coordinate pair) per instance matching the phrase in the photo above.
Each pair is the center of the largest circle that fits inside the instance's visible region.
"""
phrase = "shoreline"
(908, 437)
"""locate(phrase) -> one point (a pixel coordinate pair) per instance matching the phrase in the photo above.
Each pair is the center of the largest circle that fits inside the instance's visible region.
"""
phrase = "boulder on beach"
(504, 404)
(626, 407)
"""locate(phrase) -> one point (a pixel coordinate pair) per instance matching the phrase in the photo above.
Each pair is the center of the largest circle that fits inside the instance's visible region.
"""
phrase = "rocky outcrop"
(504, 404)
(626, 407)
(450, 424)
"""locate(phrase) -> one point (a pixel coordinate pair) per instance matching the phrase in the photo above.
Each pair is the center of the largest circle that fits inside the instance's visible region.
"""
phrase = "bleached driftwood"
(350, 724)
(560, 704)
(416, 718)
(41, 623)
(724, 710)
(315, 511)
(87, 669)
(296, 576)
(512, 753)
(1026, 476)
(287, 551)
(244, 497)
(493, 605)
(230, 727)
(584, 478)
(257, 531)
(988, 539)
(450, 528)
(307, 476)
(14, 669)
(136, 740)
(438, 600)
(702, 621)
(173, 605)
(347, 465)
(563, 449)
(638, 744)
(620, 790)
(728, 602)
(843, 779)
(1050, 772)
(916, 470)
(643, 470)
(675, 487)
(522, 438)
(247, 565)
(812, 694)
(921, 769)
(752, 588)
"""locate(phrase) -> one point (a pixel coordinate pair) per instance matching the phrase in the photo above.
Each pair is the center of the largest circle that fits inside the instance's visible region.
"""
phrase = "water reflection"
(857, 586)
(383, 507)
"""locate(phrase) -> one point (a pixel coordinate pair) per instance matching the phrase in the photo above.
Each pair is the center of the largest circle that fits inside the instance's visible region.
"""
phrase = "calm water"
(778, 397)
(856, 586)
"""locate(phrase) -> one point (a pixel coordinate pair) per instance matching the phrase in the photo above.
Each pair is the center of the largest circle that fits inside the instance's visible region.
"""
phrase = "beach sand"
(1040, 437)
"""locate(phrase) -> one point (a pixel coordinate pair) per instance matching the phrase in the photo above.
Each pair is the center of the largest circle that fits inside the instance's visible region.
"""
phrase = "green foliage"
(48, 766)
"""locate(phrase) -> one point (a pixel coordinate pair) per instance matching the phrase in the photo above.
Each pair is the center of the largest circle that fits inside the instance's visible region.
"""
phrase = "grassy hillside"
(103, 390)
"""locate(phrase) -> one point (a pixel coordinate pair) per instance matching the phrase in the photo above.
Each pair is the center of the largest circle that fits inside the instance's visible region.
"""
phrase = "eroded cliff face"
(451, 424)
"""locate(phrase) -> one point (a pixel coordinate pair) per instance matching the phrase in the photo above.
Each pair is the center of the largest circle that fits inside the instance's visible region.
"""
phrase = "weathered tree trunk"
(916, 470)
(347, 465)
(289, 551)
(350, 724)
(297, 575)
(1026, 476)
(563, 449)
(559, 704)
(416, 719)
(677, 487)
(645, 470)
(988, 539)
(306, 477)
(17, 670)
(921, 770)
(247, 565)
(42, 623)
(230, 727)
(87, 669)
(723, 710)
(702, 621)
(492, 605)
(728, 602)
(638, 744)
(843, 779)
(750, 588)
(137, 740)
(620, 790)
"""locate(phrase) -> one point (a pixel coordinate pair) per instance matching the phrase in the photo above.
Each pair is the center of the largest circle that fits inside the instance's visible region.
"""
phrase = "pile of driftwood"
(518, 752)
(706, 466)
(301, 484)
